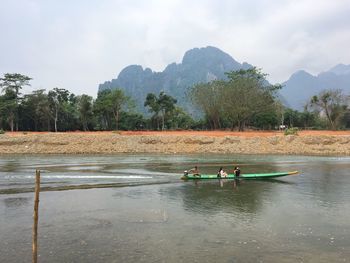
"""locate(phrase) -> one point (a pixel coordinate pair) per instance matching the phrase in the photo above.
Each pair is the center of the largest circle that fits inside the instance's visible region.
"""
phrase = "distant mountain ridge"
(198, 65)
(301, 86)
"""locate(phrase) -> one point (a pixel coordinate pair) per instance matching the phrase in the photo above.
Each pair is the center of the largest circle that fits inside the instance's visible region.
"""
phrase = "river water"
(134, 208)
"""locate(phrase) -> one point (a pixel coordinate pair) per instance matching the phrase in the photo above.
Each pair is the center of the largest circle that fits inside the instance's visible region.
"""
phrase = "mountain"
(301, 86)
(198, 65)
(209, 63)
(340, 69)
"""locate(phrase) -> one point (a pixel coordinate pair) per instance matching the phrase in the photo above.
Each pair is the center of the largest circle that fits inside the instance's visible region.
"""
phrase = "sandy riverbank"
(307, 142)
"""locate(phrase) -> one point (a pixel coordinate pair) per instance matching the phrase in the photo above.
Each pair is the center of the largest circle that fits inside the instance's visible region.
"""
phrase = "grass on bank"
(291, 131)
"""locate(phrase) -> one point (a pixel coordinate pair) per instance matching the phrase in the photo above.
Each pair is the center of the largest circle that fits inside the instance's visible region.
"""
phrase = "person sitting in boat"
(195, 171)
(237, 171)
(222, 173)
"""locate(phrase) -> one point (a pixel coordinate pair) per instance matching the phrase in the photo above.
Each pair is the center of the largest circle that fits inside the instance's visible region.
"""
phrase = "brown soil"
(248, 142)
(193, 133)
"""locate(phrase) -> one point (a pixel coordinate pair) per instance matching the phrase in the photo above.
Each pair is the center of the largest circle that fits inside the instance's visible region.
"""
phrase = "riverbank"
(306, 143)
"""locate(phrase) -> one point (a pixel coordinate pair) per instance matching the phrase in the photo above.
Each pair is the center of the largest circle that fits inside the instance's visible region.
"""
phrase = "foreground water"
(127, 208)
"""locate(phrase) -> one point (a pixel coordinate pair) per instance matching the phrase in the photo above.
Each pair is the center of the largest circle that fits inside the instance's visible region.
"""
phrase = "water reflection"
(228, 196)
(293, 219)
(16, 201)
(10, 165)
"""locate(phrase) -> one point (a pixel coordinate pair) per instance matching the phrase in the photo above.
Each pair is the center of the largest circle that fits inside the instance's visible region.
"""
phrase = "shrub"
(291, 131)
(2, 131)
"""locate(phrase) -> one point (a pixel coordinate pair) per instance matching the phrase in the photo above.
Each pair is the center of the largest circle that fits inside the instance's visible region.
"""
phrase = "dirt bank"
(307, 142)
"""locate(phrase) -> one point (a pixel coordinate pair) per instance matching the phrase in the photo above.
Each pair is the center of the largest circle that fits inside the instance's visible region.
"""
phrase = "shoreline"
(319, 143)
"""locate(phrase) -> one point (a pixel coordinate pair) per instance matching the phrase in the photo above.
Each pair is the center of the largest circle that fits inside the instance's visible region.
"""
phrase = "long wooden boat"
(232, 176)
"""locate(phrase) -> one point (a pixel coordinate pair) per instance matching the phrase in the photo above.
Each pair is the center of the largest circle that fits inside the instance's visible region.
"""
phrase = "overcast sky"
(78, 44)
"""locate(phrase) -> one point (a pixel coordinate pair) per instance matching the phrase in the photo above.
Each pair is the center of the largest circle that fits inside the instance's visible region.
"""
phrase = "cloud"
(78, 44)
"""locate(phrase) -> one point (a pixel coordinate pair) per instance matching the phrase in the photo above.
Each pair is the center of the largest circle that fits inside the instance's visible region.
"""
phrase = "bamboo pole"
(36, 217)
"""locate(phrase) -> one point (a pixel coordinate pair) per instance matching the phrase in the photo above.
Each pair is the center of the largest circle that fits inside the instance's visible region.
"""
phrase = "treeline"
(60, 110)
(244, 100)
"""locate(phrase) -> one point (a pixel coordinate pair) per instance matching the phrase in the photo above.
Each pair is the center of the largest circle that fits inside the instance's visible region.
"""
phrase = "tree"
(57, 98)
(1, 112)
(246, 94)
(12, 84)
(101, 111)
(266, 120)
(333, 104)
(70, 119)
(208, 96)
(280, 111)
(236, 101)
(180, 119)
(131, 121)
(85, 110)
(164, 104)
(292, 118)
(153, 104)
(35, 108)
(116, 101)
(8, 107)
(109, 105)
(167, 105)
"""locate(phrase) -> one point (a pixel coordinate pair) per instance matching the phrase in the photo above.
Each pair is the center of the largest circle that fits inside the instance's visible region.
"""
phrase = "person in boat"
(195, 171)
(222, 173)
(237, 171)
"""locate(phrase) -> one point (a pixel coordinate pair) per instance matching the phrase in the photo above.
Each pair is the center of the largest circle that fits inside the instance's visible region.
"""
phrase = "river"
(135, 208)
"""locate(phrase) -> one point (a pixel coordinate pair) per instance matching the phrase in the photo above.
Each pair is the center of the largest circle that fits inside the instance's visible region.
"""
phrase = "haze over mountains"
(198, 65)
(302, 85)
(210, 63)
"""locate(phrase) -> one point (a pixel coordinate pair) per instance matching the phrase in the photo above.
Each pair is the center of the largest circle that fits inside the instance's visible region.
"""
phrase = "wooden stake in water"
(36, 217)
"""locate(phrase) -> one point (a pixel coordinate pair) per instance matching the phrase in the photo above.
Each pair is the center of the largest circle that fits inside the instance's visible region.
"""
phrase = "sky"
(79, 44)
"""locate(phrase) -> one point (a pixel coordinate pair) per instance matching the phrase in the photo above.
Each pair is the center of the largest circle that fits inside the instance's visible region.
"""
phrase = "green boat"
(187, 176)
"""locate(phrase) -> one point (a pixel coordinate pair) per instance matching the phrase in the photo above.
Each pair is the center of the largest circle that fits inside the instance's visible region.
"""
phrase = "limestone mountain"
(198, 65)
(206, 64)
(301, 86)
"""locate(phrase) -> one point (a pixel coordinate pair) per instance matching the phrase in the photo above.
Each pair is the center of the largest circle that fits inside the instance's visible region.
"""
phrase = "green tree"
(131, 121)
(1, 112)
(180, 119)
(102, 112)
(163, 105)
(58, 99)
(266, 120)
(208, 98)
(280, 111)
(346, 119)
(167, 106)
(85, 110)
(308, 119)
(12, 84)
(246, 94)
(8, 108)
(292, 118)
(238, 100)
(117, 100)
(109, 105)
(153, 104)
(35, 108)
(333, 104)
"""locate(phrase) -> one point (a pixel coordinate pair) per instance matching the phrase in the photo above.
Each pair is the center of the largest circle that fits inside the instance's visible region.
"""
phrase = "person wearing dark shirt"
(237, 171)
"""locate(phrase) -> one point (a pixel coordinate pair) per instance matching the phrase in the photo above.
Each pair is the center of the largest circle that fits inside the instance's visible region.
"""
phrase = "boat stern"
(185, 175)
